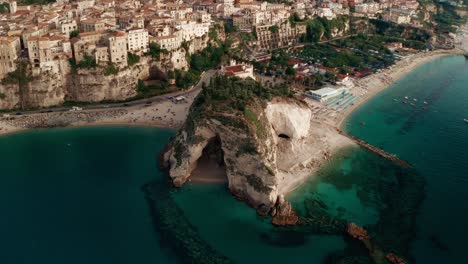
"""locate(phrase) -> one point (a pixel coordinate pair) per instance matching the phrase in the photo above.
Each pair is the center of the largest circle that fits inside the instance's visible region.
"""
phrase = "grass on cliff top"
(233, 95)
(232, 100)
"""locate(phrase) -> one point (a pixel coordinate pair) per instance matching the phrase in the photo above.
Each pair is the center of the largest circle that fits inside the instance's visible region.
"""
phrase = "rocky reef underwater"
(394, 192)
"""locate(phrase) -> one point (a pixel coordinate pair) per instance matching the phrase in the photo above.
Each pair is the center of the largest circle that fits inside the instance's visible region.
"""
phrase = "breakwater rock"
(176, 230)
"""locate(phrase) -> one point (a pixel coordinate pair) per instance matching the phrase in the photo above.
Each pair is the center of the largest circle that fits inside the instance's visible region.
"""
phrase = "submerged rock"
(357, 232)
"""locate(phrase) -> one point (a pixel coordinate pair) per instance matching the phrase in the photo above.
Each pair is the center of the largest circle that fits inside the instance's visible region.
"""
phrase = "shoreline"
(371, 86)
(165, 114)
(170, 115)
(378, 82)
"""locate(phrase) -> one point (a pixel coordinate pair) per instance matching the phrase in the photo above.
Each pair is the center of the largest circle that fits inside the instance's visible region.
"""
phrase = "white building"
(138, 40)
(191, 29)
(326, 93)
(170, 42)
(242, 70)
(67, 27)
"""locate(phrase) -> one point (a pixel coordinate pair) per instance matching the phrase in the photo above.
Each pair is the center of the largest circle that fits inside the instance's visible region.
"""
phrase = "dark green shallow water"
(75, 195)
(434, 138)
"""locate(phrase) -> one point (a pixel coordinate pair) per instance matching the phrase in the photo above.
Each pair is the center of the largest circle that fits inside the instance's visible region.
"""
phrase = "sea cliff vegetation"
(234, 103)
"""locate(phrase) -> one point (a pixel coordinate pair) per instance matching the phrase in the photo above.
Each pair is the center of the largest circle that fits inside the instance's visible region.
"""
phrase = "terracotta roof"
(234, 69)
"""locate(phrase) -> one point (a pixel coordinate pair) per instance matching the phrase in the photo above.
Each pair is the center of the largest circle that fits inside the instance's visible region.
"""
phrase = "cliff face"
(43, 90)
(94, 86)
(86, 85)
(9, 96)
(265, 157)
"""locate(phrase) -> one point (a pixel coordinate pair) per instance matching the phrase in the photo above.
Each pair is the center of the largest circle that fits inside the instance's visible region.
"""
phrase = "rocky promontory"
(263, 140)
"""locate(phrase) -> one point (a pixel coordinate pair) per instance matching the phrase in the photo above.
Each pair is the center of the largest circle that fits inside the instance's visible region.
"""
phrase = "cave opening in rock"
(210, 166)
(283, 136)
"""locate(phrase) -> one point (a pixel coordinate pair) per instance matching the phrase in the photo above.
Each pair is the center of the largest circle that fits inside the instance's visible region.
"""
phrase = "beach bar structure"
(324, 94)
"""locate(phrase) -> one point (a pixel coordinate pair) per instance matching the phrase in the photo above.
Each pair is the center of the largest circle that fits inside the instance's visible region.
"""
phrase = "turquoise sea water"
(75, 195)
(434, 139)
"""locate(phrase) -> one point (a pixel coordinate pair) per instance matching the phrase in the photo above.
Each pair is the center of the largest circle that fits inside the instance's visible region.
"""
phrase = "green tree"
(111, 69)
(74, 34)
(141, 87)
(274, 29)
(155, 51)
(290, 71)
(315, 30)
(132, 58)
(4, 8)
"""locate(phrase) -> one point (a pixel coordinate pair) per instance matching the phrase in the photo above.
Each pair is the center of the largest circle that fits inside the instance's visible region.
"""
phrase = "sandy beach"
(366, 88)
(165, 114)
(329, 120)
(375, 83)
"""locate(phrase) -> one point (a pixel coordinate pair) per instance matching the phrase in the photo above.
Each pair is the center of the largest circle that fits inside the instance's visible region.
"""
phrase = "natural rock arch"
(210, 166)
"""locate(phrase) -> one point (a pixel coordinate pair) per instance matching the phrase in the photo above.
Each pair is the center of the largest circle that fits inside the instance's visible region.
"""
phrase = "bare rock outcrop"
(94, 86)
(51, 88)
(266, 154)
(284, 214)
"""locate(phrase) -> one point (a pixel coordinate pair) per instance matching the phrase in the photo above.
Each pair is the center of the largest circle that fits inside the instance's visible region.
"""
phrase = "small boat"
(415, 99)
(412, 104)
(466, 120)
(425, 102)
(404, 102)
(395, 100)
(406, 97)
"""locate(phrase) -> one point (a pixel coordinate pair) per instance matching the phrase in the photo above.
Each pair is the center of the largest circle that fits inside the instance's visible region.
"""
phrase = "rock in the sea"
(267, 149)
(263, 210)
(357, 232)
(285, 214)
(395, 259)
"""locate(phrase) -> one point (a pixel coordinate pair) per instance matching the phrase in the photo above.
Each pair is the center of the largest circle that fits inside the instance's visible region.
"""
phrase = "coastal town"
(148, 48)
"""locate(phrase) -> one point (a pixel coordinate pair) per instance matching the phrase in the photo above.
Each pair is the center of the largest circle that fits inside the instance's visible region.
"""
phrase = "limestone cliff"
(267, 150)
(95, 86)
(42, 90)
(51, 88)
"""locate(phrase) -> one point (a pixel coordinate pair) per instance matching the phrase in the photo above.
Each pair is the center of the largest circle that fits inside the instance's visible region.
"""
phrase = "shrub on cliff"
(155, 51)
(87, 62)
(4, 8)
(132, 59)
(111, 69)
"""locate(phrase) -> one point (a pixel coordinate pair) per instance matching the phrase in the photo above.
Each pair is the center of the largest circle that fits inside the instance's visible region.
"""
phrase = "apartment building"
(102, 46)
(10, 48)
(273, 37)
(44, 51)
(137, 40)
(67, 27)
(170, 42)
(92, 24)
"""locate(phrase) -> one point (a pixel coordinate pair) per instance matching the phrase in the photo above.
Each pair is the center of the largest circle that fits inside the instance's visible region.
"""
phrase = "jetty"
(376, 150)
